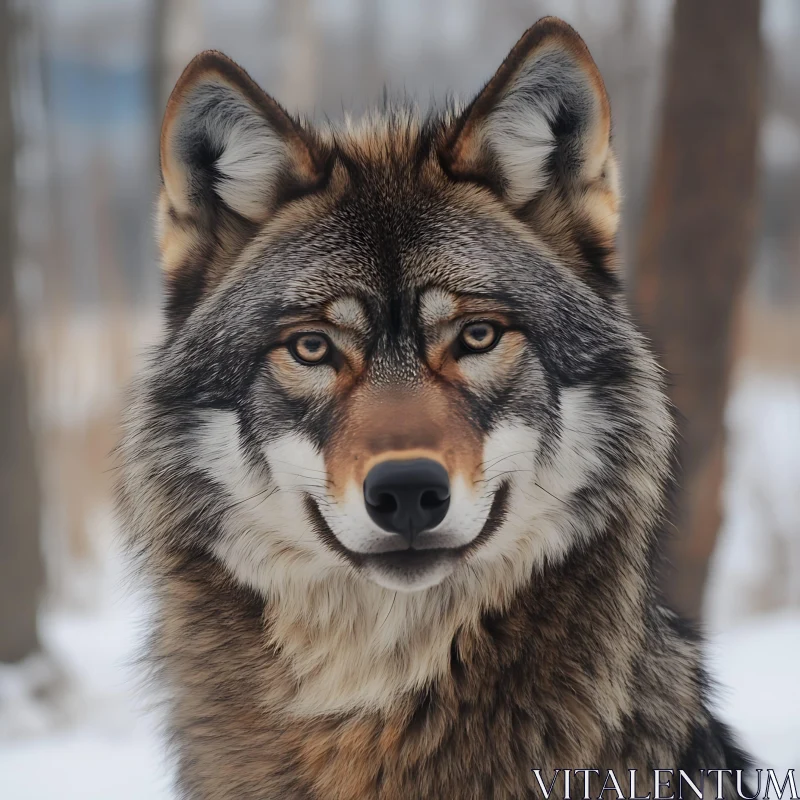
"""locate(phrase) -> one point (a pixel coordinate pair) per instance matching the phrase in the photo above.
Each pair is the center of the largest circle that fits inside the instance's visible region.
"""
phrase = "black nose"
(407, 497)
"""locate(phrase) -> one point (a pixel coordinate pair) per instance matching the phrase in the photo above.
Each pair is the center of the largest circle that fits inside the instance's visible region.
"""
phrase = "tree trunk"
(21, 568)
(696, 245)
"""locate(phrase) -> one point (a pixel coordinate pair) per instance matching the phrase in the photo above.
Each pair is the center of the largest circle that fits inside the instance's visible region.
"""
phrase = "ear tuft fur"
(543, 118)
(224, 139)
(229, 156)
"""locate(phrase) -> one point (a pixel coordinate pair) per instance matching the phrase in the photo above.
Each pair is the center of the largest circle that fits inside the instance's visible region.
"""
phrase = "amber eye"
(479, 337)
(310, 348)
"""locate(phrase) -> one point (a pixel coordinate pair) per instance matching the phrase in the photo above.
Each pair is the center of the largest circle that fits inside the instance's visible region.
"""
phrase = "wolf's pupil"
(310, 349)
(479, 336)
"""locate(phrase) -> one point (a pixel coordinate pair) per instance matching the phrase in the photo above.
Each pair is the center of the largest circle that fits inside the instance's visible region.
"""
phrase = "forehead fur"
(398, 131)
(390, 218)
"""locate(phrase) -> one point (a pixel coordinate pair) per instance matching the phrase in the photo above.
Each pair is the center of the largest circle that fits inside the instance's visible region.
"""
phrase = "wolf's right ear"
(229, 155)
(225, 140)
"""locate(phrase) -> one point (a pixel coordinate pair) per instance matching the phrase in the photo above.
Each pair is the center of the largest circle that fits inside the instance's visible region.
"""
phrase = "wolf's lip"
(413, 555)
(410, 558)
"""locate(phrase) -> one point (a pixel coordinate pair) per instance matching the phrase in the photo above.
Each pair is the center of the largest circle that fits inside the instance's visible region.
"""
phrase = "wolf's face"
(397, 352)
(394, 385)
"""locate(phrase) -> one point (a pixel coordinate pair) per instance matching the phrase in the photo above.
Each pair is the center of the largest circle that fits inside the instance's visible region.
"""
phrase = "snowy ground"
(105, 746)
(757, 668)
(108, 748)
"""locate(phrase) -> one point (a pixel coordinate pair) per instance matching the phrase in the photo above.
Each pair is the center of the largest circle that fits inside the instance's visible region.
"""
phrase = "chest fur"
(498, 709)
(543, 685)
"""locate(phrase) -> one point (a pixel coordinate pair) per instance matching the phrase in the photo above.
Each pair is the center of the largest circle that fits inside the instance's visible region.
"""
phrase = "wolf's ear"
(543, 119)
(225, 140)
(229, 155)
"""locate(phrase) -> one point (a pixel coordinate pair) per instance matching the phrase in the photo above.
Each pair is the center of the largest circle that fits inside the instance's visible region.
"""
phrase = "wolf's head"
(397, 351)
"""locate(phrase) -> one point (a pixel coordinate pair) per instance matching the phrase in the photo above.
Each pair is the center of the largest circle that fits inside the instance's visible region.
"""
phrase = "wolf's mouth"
(411, 558)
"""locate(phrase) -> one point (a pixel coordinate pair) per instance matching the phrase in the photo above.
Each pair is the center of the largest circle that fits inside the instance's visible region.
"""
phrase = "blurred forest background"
(706, 108)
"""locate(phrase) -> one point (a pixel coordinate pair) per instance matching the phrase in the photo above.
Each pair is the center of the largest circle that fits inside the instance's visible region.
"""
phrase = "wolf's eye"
(310, 348)
(478, 337)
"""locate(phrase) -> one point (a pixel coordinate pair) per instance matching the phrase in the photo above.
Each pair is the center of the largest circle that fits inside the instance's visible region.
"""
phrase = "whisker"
(299, 467)
(270, 489)
(501, 474)
(549, 493)
(310, 478)
(389, 612)
(305, 489)
(499, 459)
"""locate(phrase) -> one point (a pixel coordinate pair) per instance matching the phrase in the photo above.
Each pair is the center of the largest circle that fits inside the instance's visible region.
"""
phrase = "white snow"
(105, 744)
(756, 565)
(83, 764)
(756, 667)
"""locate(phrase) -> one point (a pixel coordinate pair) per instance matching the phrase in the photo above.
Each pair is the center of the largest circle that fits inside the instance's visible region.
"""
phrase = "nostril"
(430, 500)
(387, 503)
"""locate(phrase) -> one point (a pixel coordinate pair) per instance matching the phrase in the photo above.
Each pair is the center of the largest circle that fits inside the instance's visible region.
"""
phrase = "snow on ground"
(756, 564)
(753, 597)
(83, 764)
(109, 748)
(757, 668)
(105, 746)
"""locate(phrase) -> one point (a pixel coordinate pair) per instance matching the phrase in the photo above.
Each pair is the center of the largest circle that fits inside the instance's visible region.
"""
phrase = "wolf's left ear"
(544, 119)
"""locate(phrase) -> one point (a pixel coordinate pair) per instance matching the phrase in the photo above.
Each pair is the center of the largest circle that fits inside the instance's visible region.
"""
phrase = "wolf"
(396, 471)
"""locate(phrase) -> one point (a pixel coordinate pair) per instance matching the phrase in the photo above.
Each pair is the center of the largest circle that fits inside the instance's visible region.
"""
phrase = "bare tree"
(21, 568)
(696, 245)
